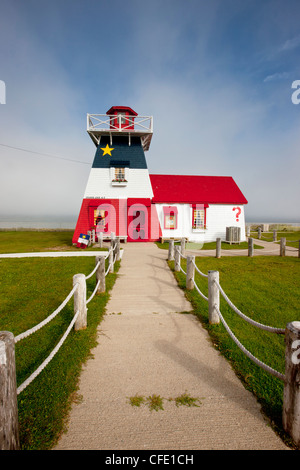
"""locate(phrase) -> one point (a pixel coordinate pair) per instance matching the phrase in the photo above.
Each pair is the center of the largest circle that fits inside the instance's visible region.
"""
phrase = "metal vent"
(233, 234)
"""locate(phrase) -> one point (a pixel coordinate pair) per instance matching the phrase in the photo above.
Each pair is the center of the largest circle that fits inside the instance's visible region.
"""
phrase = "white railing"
(112, 123)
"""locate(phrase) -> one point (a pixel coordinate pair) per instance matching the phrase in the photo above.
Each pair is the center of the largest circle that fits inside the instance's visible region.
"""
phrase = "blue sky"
(215, 75)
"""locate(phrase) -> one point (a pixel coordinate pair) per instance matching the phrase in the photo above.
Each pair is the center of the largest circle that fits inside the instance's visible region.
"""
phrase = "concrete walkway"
(147, 347)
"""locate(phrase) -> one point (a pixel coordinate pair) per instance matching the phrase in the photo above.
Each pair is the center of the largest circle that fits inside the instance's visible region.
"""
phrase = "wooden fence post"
(93, 236)
(100, 239)
(90, 240)
(111, 256)
(118, 251)
(80, 301)
(274, 236)
(291, 394)
(190, 272)
(182, 246)
(282, 246)
(213, 297)
(259, 233)
(115, 247)
(299, 250)
(100, 274)
(218, 248)
(177, 258)
(171, 250)
(250, 246)
(9, 422)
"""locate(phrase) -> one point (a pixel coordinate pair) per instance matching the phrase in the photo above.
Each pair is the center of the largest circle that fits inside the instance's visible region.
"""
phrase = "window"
(122, 116)
(199, 218)
(170, 221)
(170, 218)
(119, 174)
(99, 218)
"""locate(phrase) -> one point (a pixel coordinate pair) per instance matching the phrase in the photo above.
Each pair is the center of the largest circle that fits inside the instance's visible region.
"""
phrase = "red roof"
(196, 189)
(115, 109)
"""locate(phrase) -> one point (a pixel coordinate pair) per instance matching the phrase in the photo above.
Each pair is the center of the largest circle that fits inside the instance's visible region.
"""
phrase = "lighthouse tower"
(118, 194)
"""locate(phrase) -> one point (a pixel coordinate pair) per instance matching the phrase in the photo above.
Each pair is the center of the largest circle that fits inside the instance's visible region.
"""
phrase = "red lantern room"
(122, 117)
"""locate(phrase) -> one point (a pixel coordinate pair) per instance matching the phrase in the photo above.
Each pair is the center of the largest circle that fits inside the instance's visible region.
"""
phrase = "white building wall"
(100, 184)
(218, 217)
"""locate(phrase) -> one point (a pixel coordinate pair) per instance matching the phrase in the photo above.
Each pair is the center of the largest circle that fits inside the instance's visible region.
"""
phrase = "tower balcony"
(109, 124)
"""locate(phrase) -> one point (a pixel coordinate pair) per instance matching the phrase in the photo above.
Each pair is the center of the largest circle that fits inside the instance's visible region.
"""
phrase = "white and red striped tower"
(118, 194)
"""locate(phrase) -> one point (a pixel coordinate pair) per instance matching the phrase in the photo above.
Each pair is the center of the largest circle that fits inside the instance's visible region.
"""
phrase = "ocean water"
(37, 223)
(293, 224)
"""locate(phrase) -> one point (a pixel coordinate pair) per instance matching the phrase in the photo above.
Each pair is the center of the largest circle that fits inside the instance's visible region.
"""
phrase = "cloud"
(277, 76)
(290, 44)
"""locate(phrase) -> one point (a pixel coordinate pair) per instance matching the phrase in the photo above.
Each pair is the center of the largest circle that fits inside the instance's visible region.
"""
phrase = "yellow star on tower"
(106, 150)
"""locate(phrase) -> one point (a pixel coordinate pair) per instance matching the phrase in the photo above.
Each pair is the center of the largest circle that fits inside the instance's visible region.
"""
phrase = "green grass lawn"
(26, 242)
(267, 290)
(31, 289)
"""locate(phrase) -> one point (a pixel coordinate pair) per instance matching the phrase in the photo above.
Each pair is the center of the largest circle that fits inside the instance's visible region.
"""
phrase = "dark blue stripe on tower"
(123, 154)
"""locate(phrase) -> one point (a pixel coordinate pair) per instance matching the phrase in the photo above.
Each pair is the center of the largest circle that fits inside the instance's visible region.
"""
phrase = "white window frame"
(121, 118)
(115, 181)
(198, 219)
(120, 173)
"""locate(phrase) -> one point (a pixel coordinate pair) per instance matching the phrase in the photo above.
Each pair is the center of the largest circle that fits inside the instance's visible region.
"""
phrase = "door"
(138, 223)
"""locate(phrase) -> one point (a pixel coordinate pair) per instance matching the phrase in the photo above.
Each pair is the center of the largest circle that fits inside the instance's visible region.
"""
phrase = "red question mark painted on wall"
(239, 210)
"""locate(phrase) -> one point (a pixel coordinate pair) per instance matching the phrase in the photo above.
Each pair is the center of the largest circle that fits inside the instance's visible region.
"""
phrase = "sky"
(215, 75)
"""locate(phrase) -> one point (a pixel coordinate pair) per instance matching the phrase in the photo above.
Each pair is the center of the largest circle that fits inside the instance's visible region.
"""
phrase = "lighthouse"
(121, 197)
(118, 193)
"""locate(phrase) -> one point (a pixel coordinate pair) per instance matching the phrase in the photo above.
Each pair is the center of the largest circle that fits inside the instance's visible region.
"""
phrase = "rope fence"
(280, 249)
(247, 319)
(283, 241)
(47, 320)
(191, 267)
(252, 250)
(291, 412)
(49, 358)
(248, 353)
(8, 439)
